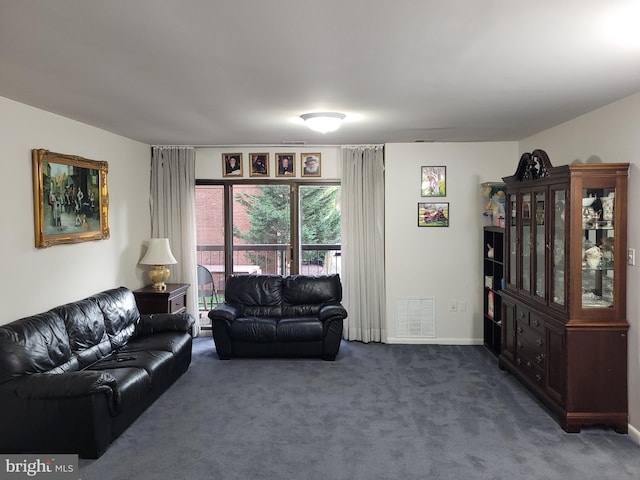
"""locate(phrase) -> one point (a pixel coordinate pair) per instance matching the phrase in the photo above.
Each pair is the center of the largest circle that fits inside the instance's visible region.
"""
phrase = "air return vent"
(415, 317)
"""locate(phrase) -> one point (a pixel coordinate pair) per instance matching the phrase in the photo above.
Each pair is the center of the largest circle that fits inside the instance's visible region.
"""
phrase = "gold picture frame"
(285, 164)
(70, 197)
(258, 164)
(232, 165)
(311, 164)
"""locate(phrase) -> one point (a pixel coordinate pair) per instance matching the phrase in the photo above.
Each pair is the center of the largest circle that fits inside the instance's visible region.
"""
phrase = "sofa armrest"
(332, 312)
(164, 322)
(224, 311)
(66, 385)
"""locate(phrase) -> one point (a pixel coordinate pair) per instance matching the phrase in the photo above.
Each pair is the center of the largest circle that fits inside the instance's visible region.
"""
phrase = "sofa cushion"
(307, 329)
(174, 342)
(156, 363)
(304, 294)
(255, 295)
(34, 344)
(120, 313)
(254, 329)
(86, 329)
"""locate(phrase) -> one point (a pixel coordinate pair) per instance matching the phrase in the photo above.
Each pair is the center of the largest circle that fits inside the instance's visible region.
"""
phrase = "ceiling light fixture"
(323, 122)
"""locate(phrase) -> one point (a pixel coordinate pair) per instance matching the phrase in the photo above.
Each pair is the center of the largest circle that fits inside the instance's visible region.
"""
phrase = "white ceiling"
(240, 72)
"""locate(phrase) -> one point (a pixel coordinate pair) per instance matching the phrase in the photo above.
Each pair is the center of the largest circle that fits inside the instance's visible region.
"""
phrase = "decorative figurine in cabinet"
(564, 332)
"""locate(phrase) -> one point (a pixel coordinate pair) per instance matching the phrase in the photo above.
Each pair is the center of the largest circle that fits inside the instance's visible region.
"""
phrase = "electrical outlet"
(462, 306)
(631, 256)
(453, 306)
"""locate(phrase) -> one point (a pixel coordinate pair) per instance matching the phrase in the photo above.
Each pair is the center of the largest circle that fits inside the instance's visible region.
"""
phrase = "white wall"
(33, 279)
(444, 263)
(611, 135)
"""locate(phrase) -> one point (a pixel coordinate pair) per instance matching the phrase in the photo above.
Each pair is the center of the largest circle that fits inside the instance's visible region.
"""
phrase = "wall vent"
(416, 317)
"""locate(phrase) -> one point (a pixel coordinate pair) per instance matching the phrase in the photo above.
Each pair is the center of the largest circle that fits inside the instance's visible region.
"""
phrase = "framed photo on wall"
(310, 164)
(258, 164)
(232, 165)
(434, 181)
(285, 164)
(433, 214)
(70, 197)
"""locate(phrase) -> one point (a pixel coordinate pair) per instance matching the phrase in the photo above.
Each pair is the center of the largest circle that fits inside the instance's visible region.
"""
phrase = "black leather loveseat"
(271, 315)
(74, 378)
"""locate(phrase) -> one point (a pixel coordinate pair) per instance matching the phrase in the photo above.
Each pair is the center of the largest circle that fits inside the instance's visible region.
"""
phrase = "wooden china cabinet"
(564, 327)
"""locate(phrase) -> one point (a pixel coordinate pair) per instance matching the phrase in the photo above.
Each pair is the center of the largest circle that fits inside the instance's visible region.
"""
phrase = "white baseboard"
(435, 341)
(634, 434)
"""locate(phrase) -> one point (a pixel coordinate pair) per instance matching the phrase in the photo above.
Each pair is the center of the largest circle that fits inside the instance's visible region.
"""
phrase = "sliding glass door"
(267, 228)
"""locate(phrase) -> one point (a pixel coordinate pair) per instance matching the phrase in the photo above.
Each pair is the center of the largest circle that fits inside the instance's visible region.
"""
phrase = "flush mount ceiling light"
(323, 122)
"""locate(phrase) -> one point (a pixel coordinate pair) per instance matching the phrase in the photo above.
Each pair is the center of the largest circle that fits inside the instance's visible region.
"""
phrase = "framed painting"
(258, 164)
(433, 214)
(285, 164)
(70, 197)
(232, 165)
(311, 164)
(434, 181)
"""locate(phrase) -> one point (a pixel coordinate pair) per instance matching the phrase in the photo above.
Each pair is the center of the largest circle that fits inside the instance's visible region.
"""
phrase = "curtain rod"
(267, 145)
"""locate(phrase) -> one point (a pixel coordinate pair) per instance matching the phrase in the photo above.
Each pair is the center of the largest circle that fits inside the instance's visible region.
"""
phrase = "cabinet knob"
(538, 377)
(540, 357)
(519, 344)
(539, 342)
(520, 329)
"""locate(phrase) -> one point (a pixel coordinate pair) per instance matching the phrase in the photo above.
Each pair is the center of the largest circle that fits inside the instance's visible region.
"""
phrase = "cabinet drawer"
(531, 337)
(531, 369)
(531, 353)
(522, 315)
(536, 322)
(178, 303)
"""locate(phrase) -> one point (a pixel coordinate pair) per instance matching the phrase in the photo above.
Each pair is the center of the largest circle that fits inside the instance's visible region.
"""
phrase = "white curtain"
(363, 242)
(173, 214)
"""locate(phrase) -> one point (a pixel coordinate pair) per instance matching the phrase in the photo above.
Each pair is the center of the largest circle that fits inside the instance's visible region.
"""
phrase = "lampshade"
(159, 254)
(323, 122)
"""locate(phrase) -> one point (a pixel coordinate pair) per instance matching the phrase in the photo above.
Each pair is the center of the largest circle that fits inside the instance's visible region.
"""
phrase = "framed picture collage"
(260, 164)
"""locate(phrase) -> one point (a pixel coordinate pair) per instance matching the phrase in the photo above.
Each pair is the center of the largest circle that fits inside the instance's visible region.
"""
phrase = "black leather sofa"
(74, 378)
(272, 315)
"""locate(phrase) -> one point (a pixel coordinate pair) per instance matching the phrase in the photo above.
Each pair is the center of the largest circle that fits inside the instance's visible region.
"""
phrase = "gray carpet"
(378, 412)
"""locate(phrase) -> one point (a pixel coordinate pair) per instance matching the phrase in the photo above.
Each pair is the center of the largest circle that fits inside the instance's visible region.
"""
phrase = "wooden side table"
(171, 300)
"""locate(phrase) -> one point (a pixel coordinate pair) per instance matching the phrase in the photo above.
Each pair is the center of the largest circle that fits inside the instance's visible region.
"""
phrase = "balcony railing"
(268, 259)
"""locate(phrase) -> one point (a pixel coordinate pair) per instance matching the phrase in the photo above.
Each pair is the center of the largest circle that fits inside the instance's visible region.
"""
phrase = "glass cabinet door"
(558, 222)
(598, 226)
(525, 205)
(540, 245)
(512, 225)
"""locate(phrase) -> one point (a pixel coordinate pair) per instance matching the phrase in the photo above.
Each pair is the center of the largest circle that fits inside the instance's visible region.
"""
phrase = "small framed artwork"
(285, 164)
(433, 214)
(311, 164)
(71, 202)
(434, 181)
(232, 164)
(258, 164)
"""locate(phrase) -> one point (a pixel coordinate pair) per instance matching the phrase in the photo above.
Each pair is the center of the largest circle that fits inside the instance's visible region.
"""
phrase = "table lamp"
(158, 254)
